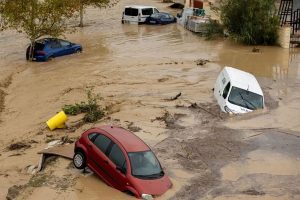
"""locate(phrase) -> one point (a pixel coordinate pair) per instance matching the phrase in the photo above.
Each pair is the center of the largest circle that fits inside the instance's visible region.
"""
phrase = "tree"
(250, 21)
(84, 3)
(37, 18)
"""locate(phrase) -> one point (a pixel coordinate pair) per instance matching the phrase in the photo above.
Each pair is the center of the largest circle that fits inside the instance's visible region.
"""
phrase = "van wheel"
(79, 160)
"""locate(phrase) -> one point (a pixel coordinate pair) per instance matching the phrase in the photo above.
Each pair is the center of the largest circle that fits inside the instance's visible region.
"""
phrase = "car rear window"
(39, 46)
(131, 11)
(102, 142)
(147, 11)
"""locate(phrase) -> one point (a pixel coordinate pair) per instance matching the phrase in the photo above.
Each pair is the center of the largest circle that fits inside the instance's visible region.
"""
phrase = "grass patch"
(93, 110)
(38, 180)
(214, 30)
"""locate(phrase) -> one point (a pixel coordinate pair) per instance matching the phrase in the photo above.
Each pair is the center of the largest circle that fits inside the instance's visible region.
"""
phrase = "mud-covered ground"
(137, 70)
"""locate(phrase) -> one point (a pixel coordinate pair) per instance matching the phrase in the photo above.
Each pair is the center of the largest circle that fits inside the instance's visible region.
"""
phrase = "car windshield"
(245, 98)
(145, 165)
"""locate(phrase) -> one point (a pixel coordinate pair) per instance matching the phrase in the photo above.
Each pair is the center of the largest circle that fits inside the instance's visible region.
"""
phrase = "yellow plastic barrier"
(57, 121)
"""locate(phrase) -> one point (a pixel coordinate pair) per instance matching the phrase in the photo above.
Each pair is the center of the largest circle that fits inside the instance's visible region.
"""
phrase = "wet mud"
(139, 71)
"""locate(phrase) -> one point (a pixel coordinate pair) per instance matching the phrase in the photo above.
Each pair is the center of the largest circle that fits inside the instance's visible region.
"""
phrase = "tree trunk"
(81, 15)
(31, 50)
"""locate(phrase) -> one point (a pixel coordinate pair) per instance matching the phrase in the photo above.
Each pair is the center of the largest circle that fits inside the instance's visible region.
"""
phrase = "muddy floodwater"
(137, 70)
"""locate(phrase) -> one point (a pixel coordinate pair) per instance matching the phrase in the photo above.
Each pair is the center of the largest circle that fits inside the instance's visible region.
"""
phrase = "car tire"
(79, 160)
(78, 51)
(50, 58)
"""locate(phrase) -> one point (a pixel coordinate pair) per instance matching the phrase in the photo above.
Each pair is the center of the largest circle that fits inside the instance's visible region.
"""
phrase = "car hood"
(155, 187)
(76, 45)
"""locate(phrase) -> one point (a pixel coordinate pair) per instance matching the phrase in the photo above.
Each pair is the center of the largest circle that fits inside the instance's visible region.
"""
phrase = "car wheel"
(78, 51)
(79, 160)
(50, 58)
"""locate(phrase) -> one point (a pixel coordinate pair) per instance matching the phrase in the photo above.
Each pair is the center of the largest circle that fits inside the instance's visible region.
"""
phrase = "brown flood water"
(135, 69)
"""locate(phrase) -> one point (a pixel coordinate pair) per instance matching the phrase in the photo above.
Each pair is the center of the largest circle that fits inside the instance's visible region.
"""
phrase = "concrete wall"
(296, 4)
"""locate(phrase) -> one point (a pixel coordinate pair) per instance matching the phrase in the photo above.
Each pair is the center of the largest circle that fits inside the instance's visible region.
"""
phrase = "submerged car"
(48, 48)
(238, 92)
(122, 160)
(160, 18)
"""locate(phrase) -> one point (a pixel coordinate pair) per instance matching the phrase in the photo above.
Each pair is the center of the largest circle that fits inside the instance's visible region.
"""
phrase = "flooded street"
(136, 70)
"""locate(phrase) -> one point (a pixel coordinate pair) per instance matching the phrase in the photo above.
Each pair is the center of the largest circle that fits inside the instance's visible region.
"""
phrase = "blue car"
(160, 18)
(48, 48)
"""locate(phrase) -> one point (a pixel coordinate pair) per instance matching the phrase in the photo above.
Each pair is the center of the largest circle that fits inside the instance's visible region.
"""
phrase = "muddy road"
(137, 70)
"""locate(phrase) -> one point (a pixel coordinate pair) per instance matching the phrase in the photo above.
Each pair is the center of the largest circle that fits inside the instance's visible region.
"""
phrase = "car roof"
(139, 6)
(243, 80)
(46, 40)
(129, 140)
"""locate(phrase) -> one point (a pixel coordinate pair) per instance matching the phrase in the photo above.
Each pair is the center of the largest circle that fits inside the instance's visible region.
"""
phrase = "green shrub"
(93, 111)
(250, 21)
(213, 29)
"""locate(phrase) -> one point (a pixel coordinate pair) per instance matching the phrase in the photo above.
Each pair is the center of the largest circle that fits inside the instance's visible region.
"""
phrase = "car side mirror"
(122, 170)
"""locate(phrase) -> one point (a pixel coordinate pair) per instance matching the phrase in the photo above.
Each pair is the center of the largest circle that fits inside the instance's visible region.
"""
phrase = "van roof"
(243, 80)
(139, 6)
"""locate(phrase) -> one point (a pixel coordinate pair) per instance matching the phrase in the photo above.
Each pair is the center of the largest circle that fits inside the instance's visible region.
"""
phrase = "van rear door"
(131, 15)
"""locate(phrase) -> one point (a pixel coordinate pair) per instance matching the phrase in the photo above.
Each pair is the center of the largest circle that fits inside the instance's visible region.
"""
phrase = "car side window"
(226, 90)
(155, 10)
(117, 157)
(92, 136)
(102, 142)
(64, 43)
(55, 45)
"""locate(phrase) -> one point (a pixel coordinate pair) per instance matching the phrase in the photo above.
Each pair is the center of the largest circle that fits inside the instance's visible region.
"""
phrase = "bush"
(91, 108)
(250, 21)
(213, 29)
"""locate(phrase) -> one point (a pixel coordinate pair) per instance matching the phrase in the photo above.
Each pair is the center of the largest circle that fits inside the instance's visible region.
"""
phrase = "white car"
(137, 14)
(238, 92)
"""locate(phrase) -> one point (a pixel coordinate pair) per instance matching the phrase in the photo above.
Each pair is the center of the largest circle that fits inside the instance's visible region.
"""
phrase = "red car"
(122, 160)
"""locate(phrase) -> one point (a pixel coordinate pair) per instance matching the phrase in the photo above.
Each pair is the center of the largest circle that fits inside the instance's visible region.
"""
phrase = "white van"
(136, 14)
(238, 92)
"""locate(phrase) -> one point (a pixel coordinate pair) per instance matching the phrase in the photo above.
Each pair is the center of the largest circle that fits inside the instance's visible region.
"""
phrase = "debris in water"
(254, 192)
(170, 120)
(202, 61)
(175, 97)
(18, 145)
(65, 151)
(133, 128)
(255, 50)
(14, 191)
(163, 79)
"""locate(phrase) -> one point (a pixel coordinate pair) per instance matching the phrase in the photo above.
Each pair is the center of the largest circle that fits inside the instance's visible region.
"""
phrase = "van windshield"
(245, 98)
(131, 11)
(147, 11)
(144, 165)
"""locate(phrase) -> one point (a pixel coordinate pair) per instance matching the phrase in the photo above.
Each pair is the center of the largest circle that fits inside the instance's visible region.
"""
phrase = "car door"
(97, 148)
(56, 48)
(118, 166)
(66, 47)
